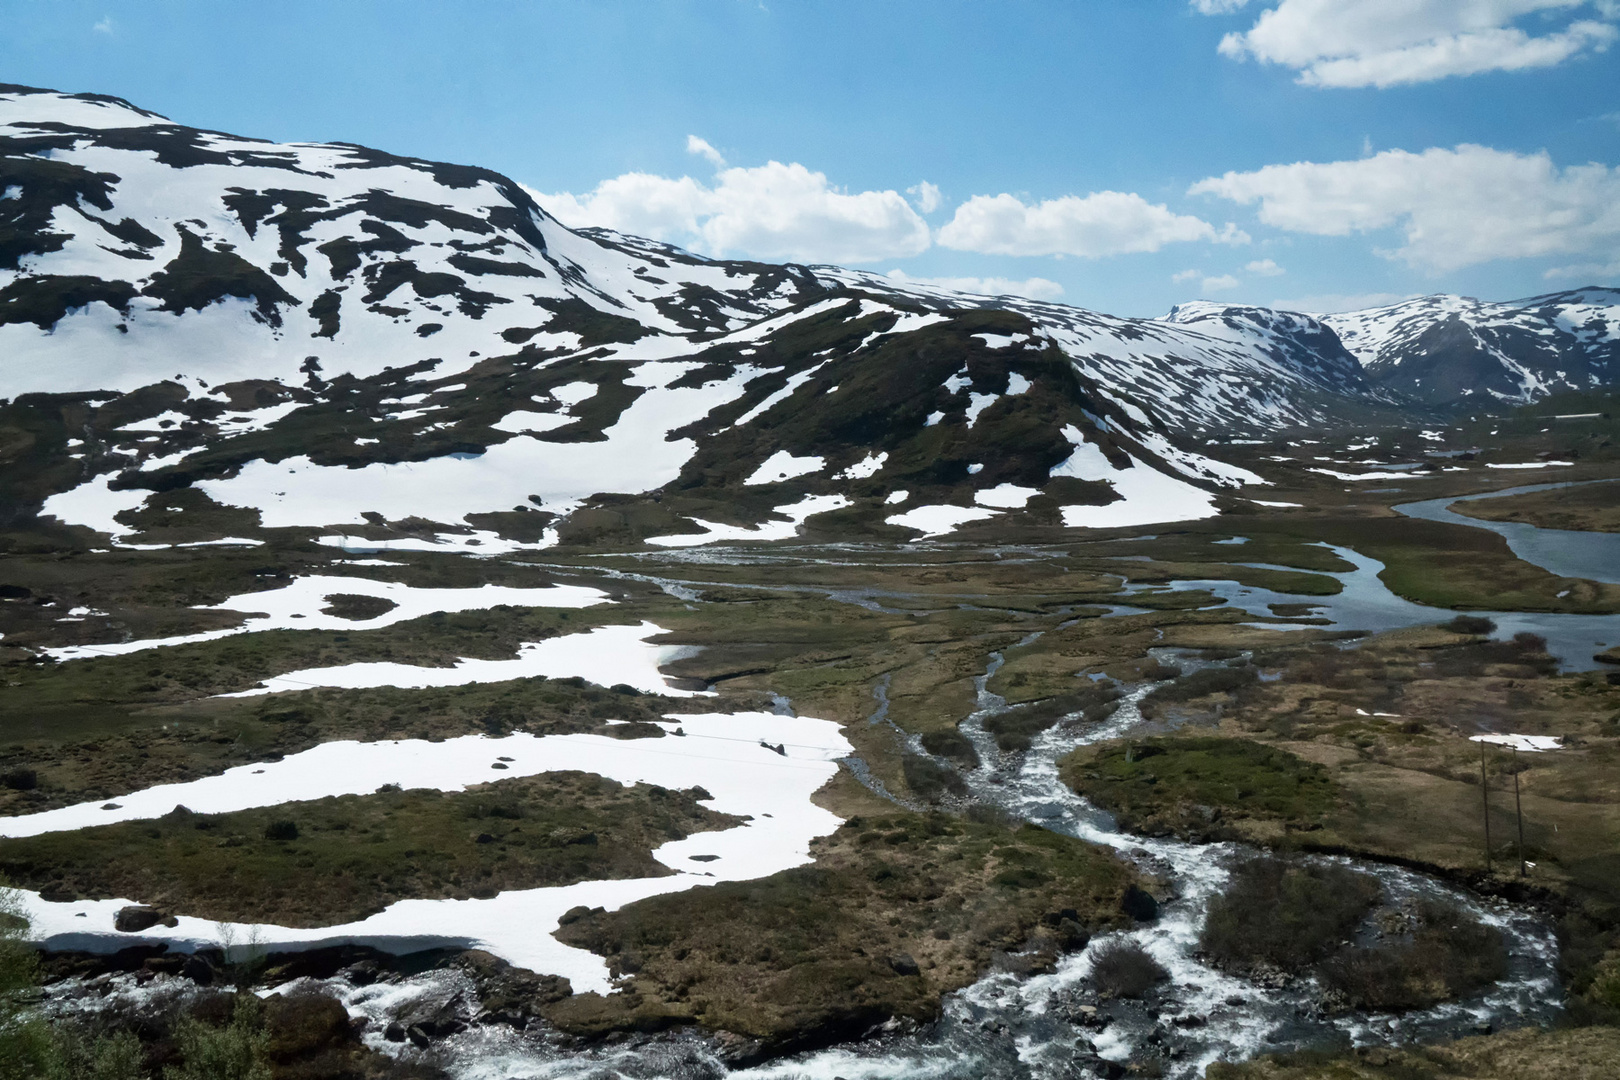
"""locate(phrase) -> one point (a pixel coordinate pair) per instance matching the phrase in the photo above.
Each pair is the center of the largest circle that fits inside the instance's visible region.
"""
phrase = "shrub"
(24, 1039)
(1124, 969)
(1285, 914)
(1470, 624)
(20, 779)
(1015, 728)
(281, 830)
(80, 1056)
(951, 744)
(929, 779)
(235, 1051)
(1210, 680)
(1449, 955)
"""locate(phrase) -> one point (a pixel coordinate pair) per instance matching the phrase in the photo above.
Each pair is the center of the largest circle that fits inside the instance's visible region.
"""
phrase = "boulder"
(137, 917)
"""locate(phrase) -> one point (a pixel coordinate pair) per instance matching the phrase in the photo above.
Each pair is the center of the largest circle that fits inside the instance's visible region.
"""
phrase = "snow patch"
(784, 466)
(938, 520)
(607, 656)
(298, 607)
(1007, 496)
(770, 530)
(1147, 496)
(719, 752)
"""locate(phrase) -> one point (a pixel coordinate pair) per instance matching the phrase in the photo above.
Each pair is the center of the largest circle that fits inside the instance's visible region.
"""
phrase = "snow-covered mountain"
(329, 336)
(1448, 349)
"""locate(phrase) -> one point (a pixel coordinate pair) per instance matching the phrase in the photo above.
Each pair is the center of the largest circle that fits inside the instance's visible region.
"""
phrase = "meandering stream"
(1565, 552)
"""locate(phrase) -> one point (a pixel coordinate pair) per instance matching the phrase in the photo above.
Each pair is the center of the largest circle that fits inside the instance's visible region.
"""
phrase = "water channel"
(1565, 552)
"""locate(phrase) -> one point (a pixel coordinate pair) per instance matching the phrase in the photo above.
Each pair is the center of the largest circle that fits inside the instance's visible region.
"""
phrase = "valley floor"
(830, 807)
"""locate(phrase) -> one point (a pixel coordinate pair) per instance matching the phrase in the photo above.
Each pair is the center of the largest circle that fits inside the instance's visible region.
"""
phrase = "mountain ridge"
(323, 335)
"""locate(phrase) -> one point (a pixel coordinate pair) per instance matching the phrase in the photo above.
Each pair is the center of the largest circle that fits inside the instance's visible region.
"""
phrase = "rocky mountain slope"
(202, 335)
(1446, 350)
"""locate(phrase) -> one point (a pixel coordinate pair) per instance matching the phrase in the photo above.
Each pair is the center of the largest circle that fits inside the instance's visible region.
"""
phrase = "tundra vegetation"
(1305, 741)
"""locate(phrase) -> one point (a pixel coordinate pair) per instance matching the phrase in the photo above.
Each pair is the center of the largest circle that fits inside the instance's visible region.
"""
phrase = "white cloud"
(1456, 207)
(702, 148)
(1347, 43)
(1332, 303)
(1102, 223)
(1220, 284)
(1265, 268)
(773, 211)
(105, 26)
(926, 196)
(1590, 271)
(1035, 288)
(1184, 275)
(1218, 7)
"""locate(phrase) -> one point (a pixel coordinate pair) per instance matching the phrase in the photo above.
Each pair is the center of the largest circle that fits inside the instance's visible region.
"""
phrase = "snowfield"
(298, 606)
(607, 656)
(720, 752)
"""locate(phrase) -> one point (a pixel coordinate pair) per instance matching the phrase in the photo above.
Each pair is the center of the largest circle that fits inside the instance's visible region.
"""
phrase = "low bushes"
(1447, 955)
(1124, 969)
(1285, 914)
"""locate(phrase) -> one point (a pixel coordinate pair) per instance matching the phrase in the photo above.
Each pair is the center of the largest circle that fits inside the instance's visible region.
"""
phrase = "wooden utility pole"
(1485, 796)
(1518, 808)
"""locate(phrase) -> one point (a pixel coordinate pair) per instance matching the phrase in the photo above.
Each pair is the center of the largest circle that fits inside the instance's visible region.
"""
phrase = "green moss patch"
(338, 859)
(1191, 785)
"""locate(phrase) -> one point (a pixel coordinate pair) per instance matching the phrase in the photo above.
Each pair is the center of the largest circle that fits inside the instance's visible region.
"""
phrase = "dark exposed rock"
(1139, 904)
(137, 917)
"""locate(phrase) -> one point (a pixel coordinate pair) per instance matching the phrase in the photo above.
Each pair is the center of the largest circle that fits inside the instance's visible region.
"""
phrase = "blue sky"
(1122, 156)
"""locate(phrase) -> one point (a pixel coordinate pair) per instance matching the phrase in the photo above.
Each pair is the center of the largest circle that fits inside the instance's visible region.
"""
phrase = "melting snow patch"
(977, 403)
(523, 421)
(864, 468)
(1007, 496)
(721, 753)
(479, 542)
(95, 506)
(770, 530)
(1534, 744)
(1370, 475)
(298, 607)
(897, 497)
(938, 520)
(784, 466)
(1002, 341)
(1530, 465)
(571, 394)
(793, 383)
(607, 655)
(1147, 496)
(1277, 505)
(637, 455)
